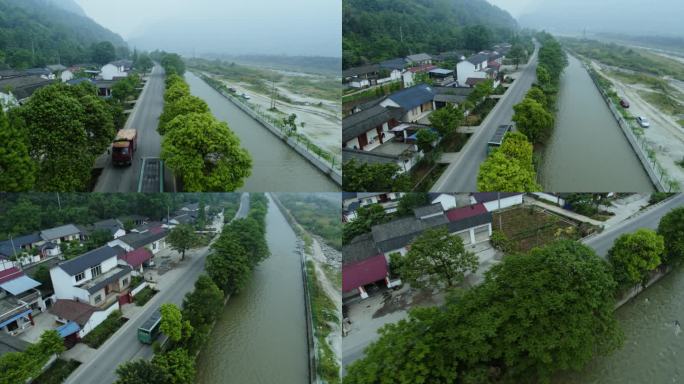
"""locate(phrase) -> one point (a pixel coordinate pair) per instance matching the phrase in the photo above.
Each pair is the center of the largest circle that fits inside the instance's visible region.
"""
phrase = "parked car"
(643, 122)
(245, 96)
(624, 103)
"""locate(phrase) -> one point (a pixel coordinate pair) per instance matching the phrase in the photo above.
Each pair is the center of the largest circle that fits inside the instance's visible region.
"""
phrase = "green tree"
(437, 259)
(366, 217)
(59, 140)
(536, 94)
(98, 238)
(17, 170)
(182, 106)
(481, 91)
(251, 237)
(205, 153)
(171, 321)
(411, 200)
(204, 304)
(290, 122)
(367, 177)
(42, 275)
(103, 52)
(98, 124)
(173, 63)
(177, 366)
(140, 372)
(509, 168)
(533, 120)
(635, 255)
(50, 343)
(123, 89)
(671, 228)
(228, 265)
(425, 138)
(181, 238)
(446, 120)
(543, 77)
(477, 37)
(517, 54)
(143, 62)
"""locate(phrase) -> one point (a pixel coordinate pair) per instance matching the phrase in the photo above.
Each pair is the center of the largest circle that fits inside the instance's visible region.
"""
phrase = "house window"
(98, 298)
(80, 276)
(154, 246)
(124, 282)
(96, 271)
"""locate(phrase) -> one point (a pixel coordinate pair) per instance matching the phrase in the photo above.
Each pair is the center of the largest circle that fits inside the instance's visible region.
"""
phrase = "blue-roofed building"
(19, 301)
(416, 102)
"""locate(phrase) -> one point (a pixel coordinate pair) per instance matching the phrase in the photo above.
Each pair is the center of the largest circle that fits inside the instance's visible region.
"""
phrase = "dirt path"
(665, 135)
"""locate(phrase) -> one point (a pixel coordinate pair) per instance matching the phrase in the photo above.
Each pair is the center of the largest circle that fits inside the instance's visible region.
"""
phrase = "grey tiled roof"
(418, 57)
(87, 260)
(361, 248)
(362, 122)
(410, 98)
(137, 240)
(426, 210)
(111, 225)
(349, 154)
(61, 231)
(478, 58)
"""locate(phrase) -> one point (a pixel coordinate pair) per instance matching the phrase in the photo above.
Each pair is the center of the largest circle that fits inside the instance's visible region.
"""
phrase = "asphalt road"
(461, 175)
(145, 119)
(124, 345)
(649, 218)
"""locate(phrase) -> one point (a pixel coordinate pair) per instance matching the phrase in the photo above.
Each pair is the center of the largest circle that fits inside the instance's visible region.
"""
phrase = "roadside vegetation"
(511, 167)
(239, 248)
(323, 313)
(21, 367)
(203, 152)
(58, 372)
(102, 332)
(468, 339)
(144, 296)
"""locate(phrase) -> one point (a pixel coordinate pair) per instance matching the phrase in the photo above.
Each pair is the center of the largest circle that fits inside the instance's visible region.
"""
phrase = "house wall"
(96, 319)
(109, 72)
(447, 201)
(63, 285)
(66, 76)
(353, 143)
(93, 298)
(550, 198)
(121, 244)
(505, 203)
(119, 233)
(156, 246)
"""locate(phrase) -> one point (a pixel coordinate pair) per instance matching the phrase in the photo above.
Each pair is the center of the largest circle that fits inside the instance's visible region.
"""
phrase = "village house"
(419, 59)
(136, 259)
(112, 226)
(19, 300)
(151, 236)
(111, 72)
(362, 265)
(472, 68)
(63, 233)
(370, 128)
(78, 318)
(416, 102)
(361, 77)
(352, 201)
(16, 90)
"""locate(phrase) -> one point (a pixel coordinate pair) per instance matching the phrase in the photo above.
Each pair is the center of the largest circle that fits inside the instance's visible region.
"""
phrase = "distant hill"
(39, 32)
(374, 30)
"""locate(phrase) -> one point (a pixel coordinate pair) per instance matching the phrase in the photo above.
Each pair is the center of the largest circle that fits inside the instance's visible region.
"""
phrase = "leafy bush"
(144, 296)
(501, 242)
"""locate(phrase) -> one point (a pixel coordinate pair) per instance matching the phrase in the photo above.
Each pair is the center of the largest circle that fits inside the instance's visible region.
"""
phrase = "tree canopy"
(548, 310)
(533, 120)
(181, 238)
(437, 259)
(367, 177)
(205, 153)
(510, 167)
(671, 228)
(635, 255)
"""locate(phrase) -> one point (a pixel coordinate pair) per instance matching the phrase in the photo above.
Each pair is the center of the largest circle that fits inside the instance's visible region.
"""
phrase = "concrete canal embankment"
(301, 148)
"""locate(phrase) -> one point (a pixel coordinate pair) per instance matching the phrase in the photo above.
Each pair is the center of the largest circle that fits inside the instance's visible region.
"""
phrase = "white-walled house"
(152, 239)
(494, 201)
(111, 71)
(79, 318)
(466, 69)
(95, 278)
(63, 233)
(66, 76)
(447, 200)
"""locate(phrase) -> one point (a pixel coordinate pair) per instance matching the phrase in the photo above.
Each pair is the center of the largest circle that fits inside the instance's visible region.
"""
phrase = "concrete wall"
(505, 203)
(97, 318)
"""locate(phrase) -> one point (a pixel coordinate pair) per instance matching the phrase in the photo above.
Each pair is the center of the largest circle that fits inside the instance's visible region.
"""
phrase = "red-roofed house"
(10, 274)
(364, 272)
(473, 223)
(137, 259)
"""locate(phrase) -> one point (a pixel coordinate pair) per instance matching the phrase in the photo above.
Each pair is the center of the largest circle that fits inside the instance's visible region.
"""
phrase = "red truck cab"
(124, 147)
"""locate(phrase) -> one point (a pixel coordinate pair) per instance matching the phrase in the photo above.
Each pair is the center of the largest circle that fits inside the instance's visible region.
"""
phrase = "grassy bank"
(323, 313)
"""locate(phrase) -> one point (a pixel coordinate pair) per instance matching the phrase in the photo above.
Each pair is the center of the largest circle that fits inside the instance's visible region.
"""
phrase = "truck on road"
(124, 147)
(498, 137)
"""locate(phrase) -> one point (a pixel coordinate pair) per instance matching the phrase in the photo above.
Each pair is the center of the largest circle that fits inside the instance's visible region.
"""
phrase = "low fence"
(325, 162)
(660, 179)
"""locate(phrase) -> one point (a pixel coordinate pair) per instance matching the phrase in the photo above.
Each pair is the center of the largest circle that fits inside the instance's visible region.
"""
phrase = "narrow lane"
(145, 119)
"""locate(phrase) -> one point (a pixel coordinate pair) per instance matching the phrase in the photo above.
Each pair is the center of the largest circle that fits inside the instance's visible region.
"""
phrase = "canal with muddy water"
(588, 152)
(261, 336)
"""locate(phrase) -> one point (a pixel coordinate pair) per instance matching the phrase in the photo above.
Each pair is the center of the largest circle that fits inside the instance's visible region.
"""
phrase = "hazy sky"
(647, 17)
(294, 27)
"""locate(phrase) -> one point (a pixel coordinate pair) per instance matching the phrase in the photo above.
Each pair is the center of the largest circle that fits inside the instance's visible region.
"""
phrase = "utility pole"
(13, 248)
(59, 202)
(273, 95)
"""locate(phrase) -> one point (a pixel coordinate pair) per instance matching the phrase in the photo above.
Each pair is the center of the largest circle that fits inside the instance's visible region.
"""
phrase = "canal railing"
(329, 164)
(659, 177)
